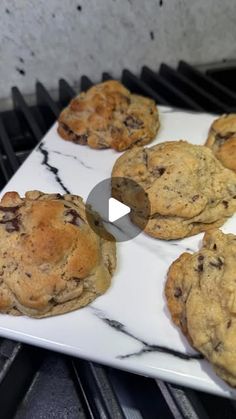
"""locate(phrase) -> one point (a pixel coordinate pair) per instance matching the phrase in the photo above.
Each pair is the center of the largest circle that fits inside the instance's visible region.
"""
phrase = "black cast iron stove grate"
(35, 383)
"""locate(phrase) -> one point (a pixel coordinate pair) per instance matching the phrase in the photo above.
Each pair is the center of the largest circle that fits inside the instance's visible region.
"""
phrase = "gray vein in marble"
(72, 157)
(185, 248)
(54, 170)
(147, 347)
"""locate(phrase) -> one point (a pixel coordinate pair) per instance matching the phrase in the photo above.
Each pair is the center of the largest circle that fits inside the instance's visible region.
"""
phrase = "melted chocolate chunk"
(221, 138)
(75, 217)
(28, 274)
(9, 209)
(133, 122)
(75, 279)
(159, 170)
(59, 196)
(229, 324)
(145, 158)
(218, 263)
(200, 264)
(178, 292)
(225, 203)
(214, 247)
(13, 225)
(80, 139)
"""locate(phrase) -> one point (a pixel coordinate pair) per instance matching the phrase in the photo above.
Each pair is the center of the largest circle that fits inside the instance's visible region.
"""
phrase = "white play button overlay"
(117, 210)
(105, 199)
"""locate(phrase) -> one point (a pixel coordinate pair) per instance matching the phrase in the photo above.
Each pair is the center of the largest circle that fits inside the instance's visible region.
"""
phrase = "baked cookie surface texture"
(188, 189)
(200, 292)
(51, 261)
(109, 116)
(222, 140)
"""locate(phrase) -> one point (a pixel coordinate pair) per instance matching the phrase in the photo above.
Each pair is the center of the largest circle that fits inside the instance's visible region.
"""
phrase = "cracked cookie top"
(51, 261)
(109, 116)
(187, 187)
(201, 296)
(222, 140)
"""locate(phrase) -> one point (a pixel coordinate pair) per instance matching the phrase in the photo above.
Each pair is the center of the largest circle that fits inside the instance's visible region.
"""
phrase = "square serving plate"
(129, 327)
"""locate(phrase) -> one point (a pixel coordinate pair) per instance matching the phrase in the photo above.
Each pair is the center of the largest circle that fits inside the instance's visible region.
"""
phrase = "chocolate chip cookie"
(188, 188)
(222, 140)
(51, 261)
(201, 296)
(109, 116)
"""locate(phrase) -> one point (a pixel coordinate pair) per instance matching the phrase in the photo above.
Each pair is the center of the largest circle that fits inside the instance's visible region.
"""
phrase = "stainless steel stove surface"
(35, 383)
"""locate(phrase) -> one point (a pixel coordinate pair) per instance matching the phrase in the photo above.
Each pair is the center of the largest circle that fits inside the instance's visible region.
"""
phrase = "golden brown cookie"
(188, 188)
(222, 140)
(201, 296)
(109, 116)
(51, 261)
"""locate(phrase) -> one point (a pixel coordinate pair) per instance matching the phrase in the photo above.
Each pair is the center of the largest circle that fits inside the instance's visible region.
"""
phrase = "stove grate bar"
(173, 95)
(44, 99)
(106, 76)
(85, 83)
(21, 105)
(224, 76)
(138, 86)
(204, 99)
(66, 93)
(7, 148)
(226, 96)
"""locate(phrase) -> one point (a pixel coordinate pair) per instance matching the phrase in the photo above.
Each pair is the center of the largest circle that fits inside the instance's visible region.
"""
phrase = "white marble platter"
(129, 327)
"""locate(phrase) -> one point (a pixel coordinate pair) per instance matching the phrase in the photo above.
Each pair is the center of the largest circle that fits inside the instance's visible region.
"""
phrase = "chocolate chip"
(195, 197)
(218, 263)
(145, 157)
(158, 171)
(12, 225)
(80, 139)
(28, 274)
(229, 324)
(214, 246)
(225, 203)
(178, 292)
(200, 265)
(133, 122)
(221, 138)
(9, 209)
(75, 217)
(75, 279)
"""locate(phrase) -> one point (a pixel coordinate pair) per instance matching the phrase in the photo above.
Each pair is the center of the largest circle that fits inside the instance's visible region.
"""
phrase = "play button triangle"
(117, 210)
